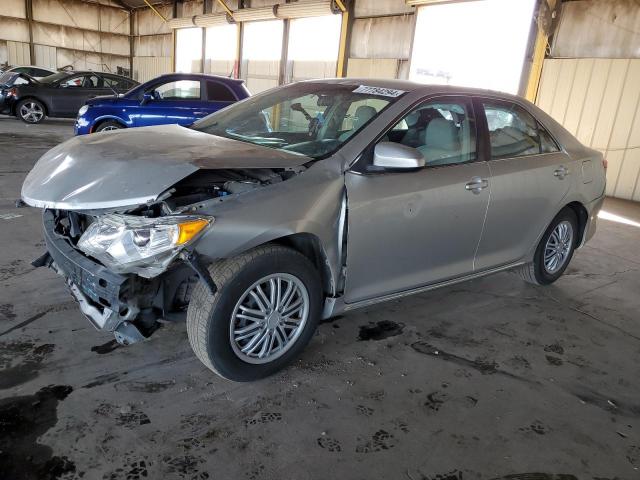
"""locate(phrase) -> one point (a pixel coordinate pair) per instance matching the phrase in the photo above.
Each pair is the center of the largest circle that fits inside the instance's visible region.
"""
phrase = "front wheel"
(555, 250)
(30, 110)
(264, 313)
(108, 126)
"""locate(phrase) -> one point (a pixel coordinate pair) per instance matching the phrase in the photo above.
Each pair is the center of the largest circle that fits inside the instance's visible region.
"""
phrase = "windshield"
(54, 77)
(312, 119)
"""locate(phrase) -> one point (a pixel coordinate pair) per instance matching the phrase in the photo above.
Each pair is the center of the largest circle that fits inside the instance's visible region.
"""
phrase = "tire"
(209, 317)
(537, 272)
(31, 111)
(108, 125)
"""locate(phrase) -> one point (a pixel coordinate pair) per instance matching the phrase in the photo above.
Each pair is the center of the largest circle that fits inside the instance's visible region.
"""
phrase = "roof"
(409, 86)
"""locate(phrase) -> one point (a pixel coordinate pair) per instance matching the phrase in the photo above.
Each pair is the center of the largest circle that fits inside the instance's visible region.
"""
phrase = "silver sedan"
(307, 201)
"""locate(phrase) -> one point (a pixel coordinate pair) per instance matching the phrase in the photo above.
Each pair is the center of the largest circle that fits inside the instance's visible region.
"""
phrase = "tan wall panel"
(18, 53)
(14, 29)
(372, 67)
(593, 103)
(598, 100)
(46, 56)
(578, 95)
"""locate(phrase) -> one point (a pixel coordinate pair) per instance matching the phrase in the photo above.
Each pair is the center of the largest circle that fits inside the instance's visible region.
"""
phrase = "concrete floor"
(489, 379)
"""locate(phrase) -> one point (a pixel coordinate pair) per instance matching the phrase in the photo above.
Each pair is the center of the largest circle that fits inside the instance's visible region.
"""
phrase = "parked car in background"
(174, 98)
(356, 191)
(62, 94)
(35, 72)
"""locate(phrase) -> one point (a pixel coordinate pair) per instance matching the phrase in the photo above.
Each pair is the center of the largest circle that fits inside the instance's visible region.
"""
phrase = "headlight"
(83, 110)
(132, 244)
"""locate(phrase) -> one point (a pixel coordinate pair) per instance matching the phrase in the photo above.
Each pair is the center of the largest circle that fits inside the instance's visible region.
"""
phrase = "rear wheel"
(555, 250)
(108, 125)
(264, 313)
(30, 110)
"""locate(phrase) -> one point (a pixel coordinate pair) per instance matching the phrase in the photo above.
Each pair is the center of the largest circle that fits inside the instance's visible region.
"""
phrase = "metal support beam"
(226, 8)
(132, 42)
(345, 38)
(284, 55)
(157, 12)
(28, 5)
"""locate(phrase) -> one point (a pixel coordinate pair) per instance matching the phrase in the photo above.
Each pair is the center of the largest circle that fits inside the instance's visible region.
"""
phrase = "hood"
(131, 167)
(102, 99)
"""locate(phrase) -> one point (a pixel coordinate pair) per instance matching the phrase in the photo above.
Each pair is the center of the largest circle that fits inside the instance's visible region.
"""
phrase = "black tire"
(535, 272)
(108, 125)
(209, 316)
(31, 111)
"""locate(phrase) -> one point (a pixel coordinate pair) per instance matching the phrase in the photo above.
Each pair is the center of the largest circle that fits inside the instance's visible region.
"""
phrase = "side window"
(38, 72)
(513, 132)
(92, 81)
(547, 144)
(217, 92)
(21, 70)
(443, 131)
(73, 82)
(178, 90)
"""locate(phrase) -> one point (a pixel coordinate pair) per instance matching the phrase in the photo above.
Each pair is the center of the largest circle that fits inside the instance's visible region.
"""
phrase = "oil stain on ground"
(32, 357)
(380, 330)
(22, 421)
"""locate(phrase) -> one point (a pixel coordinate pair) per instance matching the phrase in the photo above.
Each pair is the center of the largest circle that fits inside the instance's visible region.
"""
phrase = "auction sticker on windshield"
(385, 92)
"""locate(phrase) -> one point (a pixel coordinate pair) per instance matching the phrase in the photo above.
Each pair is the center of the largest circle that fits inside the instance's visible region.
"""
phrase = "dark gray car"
(307, 201)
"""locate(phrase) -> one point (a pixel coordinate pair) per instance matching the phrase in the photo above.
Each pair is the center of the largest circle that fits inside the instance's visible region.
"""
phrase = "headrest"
(363, 114)
(441, 133)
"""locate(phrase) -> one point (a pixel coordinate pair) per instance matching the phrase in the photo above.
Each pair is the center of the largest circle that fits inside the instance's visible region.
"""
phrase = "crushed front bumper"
(100, 293)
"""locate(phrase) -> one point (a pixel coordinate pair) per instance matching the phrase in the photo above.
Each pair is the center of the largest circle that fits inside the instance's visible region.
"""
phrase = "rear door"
(530, 176)
(176, 101)
(218, 96)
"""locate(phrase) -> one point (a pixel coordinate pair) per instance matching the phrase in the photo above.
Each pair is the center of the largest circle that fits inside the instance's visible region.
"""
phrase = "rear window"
(218, 92)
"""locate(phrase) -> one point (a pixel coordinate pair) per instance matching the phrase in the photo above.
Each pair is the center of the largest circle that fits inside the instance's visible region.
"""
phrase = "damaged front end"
(131, 268)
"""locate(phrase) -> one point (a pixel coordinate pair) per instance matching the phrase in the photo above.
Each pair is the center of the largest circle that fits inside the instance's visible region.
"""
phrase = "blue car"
(174, 98)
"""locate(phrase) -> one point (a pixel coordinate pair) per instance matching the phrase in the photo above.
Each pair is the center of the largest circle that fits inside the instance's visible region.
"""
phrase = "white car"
(35, 72)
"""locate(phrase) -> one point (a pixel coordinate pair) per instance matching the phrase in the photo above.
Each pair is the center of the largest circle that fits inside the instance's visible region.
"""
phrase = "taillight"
(12, 92)
(605, 163)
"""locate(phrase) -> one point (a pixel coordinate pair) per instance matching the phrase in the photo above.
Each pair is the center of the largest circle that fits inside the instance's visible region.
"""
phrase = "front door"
(530, 176)
(177, 101)
(71, 94)
(413, 228)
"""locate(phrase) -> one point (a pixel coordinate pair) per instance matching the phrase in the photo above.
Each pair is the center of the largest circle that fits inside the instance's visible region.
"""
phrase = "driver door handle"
(476, 185)
(561, 172)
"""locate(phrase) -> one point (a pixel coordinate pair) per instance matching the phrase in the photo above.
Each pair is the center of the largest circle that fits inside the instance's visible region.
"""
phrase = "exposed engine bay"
(210, 184)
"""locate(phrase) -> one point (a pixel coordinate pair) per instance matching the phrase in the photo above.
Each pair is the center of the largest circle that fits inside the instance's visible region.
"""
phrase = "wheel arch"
(100, 120)
(310, 246)
(14, 109)
(582, 215)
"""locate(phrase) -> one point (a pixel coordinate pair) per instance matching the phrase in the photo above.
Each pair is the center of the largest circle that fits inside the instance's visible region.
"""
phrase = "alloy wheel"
(31, 112)
(558, 247)
(269, 318)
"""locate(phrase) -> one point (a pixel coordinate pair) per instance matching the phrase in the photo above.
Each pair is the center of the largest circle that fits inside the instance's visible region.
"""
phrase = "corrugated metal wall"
(146, 68)
(598, 100)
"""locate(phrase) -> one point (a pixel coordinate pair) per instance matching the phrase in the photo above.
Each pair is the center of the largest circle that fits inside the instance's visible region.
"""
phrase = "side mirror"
(396, 155)
(146, 98)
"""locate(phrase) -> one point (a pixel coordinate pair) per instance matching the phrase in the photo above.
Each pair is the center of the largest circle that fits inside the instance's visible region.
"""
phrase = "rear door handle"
(476, 185)
(561, 172)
